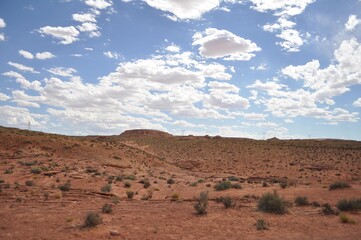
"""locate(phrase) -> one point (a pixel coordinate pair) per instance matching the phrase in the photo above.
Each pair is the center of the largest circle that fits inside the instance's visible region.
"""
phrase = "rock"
(114, 233)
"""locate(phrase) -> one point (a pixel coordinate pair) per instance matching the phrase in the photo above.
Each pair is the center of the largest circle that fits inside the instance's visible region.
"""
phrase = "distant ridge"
(144, 132)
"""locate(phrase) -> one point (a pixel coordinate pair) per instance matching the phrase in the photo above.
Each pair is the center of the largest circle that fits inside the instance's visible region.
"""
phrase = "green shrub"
(35, 170)
(201, 203)
(107, 208)
(339, 185)
(346, 219)
(30, 183)
(227, 202)
(223, 185)
(65, 187)
(272, 203)
(349, 205)
(301, 201)
(106, 188)
(327, 209)
(130, 194)
(170, 181)
(92, 219)
(261, 225)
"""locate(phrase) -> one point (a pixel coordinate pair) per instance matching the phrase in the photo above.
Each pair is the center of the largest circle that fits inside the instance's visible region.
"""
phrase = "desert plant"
(272, 203)
(8, 171)
(115, 199)
(119, 178)
(201, 180)
(301, 201)
(264, 184)
(146, 183)
(349, 205)
(236, 186)
(223, 185)
(316, 204)
(35, 170)
(233, 178)
(92, 219)
(346, 219)
(261, 225)
(327, 209)
(170, 181)
(283, 184)
(193, 184)
(338, 185)
(227, 202)
(127, 184)
(107, 208)
(174, 197)
(29, 183)
(201, 203)
(130, 177)
(106, 188)
(65, 187)
(130, 194)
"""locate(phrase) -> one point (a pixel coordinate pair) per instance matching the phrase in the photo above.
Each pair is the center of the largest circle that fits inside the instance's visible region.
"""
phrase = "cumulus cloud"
(4, 97)
(292, 39)
(99, 4)
(173, 48)
(357, 103)
(22, 67)
(64, 72)
(84, 17)
(352, 22)
(40, 55)
(216, 43)
(184, 9)
(26, 54)
(34, 85)
(2, 25)
(20, 117)
(110, 54)
(66, 35)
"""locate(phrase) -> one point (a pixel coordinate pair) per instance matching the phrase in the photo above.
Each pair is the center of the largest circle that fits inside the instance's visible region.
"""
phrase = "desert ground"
(49, 183)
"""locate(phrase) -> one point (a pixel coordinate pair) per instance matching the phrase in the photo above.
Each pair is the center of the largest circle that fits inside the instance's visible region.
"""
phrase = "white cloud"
(88, 27)
(216, 43)
(357, 103)
(85, 17)
(292, 40)
(34, 85)
(2, 37)
(281, 7)
(184, 9)
(66, 35)
(2, 23)
(110, 54)
(64, 72)
(261, 67)
(44, 55)
(173, 48)
(88, 49)
(99, 4)
(352, 22)
(19, 117)
(4, 97)
(26, 54)
(22, 67)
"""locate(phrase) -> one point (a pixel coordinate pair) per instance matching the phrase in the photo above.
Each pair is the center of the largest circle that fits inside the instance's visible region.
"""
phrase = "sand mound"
(145, 132)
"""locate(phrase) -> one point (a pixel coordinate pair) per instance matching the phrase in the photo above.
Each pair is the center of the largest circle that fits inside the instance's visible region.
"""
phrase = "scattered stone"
(114, 233)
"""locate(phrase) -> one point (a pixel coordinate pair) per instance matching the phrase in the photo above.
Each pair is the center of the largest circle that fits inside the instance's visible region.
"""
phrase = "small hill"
(144, 133)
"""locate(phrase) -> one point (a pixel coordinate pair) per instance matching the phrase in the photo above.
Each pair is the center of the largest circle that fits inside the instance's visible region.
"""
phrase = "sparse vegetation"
(261, 224)
(65, 187)
(130, 177)
(283, 184)
(130, 194)
(145, 182)
(301, 201)
(107, 208)
(339, 185)
(349, 205)
(345, 219)
(224, 185)
(8, 171)
(201, 203)
(127, 184)
(227, 202)
(193, 184)
(233, 178)
(170, 181)
(29, 183)
(272, 203)
(35, 170)
(327, 209)
(92, 219)
(174, 197)
(106, 188)
(236, 186)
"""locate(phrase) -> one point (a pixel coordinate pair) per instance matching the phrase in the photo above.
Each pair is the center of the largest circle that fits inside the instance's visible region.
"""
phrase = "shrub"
(201, 203)
(227, 202)
(339, 185)
(106, 188)
(115, 199)
(346, 219)
(233, 178)
(107, 208)
(200, 180)
(65, 187)
(130, 194)
(327, 209)
(349, 205)
(261, 225)
(146, 183)
(130, 177)
(8, 171)
(30, 183)
(223, 185)
(119, 178)
(92, 219)
(170, 181)
(193, 184)
(272, 203)
(301, 201)
(174, 197)
(264, 184)
(127, 184)
(316, 204)
(35, 170)
(283, 185)
(236, 186)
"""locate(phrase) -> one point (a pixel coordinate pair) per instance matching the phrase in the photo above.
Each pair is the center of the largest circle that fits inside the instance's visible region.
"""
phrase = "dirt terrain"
(166, 173)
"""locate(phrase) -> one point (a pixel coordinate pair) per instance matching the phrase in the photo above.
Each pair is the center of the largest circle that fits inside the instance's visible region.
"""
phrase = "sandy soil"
(33, 207)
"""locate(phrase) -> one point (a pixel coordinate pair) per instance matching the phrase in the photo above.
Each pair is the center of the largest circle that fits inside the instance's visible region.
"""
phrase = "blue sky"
(240, 68)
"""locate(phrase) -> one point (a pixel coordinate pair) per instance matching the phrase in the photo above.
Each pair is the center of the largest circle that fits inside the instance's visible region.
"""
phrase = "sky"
(236, 68)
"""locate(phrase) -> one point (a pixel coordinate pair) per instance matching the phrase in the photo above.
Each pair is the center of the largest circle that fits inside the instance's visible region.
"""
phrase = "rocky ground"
(49, 183)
